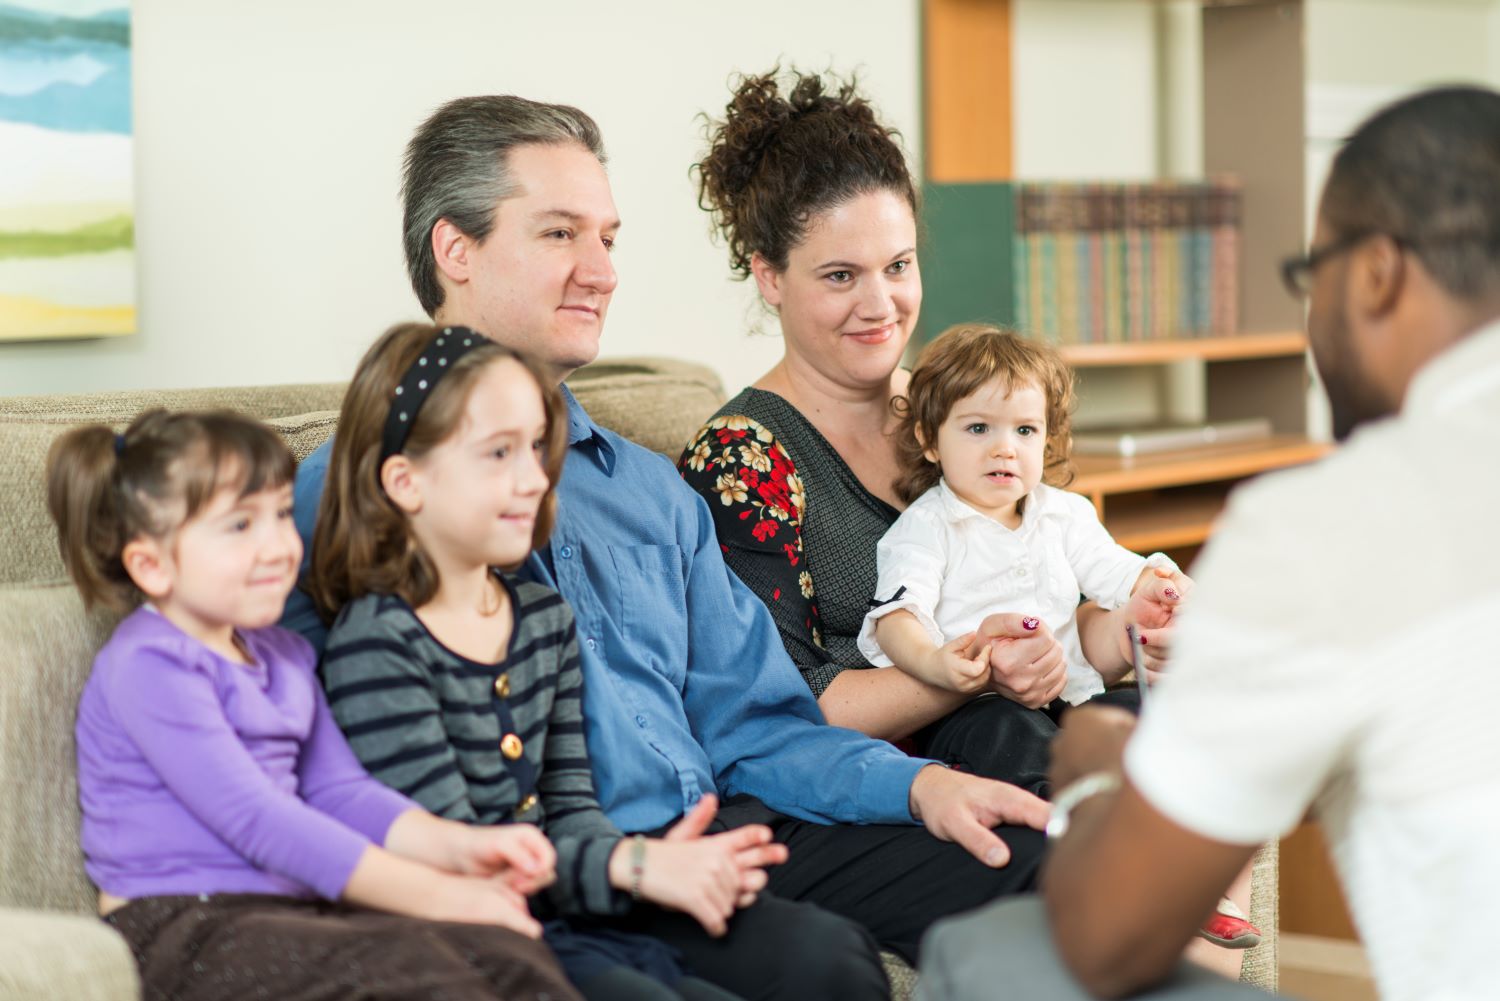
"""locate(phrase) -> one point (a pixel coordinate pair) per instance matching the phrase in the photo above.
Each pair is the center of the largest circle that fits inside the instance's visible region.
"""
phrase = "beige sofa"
(51, 946)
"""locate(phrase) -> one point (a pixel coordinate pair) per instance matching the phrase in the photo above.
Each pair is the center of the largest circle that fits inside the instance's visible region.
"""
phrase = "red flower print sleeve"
(756, 497)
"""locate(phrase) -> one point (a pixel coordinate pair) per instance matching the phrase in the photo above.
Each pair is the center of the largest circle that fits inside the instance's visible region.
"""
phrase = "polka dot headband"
(447, 347)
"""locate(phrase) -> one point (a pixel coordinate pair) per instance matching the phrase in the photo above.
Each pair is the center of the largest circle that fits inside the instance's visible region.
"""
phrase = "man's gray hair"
(457, 167)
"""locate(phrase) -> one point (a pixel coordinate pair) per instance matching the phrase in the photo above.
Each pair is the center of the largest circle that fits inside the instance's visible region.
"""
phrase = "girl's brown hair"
(958, 363)
(104, 490)
(788, 150)
(363, 543)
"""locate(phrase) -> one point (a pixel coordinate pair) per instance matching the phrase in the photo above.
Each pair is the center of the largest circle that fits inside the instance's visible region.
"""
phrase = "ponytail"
(83, 499)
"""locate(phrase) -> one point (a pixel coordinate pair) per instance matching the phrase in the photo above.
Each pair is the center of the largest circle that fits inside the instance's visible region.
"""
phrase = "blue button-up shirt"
(687, 688)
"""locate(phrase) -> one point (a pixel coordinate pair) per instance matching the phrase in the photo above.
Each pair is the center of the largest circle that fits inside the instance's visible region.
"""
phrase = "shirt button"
(593, 643)
(640, 721)
(528, 803)
(502, 686)
(566, 552)
(511, 746)
(1020, 571)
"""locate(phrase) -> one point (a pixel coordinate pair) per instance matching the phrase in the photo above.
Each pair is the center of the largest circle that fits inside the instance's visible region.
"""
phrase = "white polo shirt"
(950, 566)
(1342, 654)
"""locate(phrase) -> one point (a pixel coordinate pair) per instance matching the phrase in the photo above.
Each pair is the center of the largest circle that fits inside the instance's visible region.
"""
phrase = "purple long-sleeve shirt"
(201, 775)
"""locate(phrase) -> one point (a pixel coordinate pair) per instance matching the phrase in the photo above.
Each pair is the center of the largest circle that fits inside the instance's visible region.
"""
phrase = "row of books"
(1105, 262)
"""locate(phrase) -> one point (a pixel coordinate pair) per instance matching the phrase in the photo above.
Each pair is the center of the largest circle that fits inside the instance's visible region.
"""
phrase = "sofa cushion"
(63, 956)
(28, 424)
(49, 649)
(305, 432)
(655, 402)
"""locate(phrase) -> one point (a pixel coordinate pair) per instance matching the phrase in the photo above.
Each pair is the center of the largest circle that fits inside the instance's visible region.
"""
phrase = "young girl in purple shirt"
(237, 844)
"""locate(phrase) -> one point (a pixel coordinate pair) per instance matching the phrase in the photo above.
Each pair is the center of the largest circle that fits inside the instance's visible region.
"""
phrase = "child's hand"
(1159, 594)
(706, 877)
(1026, 662)
(481, 901)
(518, 855)
(954, 667)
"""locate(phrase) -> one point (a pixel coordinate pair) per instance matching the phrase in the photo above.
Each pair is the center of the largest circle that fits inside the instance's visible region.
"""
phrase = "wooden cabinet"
(1169, 500)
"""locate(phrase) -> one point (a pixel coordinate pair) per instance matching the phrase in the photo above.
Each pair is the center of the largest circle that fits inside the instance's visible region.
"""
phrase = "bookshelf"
(1265, 345)
(1253, 129)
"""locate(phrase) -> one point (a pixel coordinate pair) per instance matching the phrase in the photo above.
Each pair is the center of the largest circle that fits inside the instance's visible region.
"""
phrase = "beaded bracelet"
(637, 864)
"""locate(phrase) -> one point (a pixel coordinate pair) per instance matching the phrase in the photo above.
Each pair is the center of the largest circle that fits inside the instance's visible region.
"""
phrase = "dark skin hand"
(1126, 889)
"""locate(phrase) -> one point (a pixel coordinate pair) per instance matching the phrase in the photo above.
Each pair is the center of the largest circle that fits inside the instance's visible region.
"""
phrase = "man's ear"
(149, 565)
(402, 483)
(450, 249)
(767, 280)
(1377, 276)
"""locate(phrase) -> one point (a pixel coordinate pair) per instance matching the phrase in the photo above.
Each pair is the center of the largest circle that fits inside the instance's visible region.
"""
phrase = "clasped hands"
(1018, 656)
(1013, 654)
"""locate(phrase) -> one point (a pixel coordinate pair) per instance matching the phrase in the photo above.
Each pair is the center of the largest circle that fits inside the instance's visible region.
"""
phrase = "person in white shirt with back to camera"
(1343, 628)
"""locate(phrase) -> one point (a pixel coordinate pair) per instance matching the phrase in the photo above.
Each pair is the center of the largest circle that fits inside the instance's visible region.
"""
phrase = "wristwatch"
(1075, 792)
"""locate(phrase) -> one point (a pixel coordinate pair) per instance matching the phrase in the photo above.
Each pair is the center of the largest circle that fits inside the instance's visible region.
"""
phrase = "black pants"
(846, 887)
(1000, 739)
(774, 950)
(625, 984)
(845, 892)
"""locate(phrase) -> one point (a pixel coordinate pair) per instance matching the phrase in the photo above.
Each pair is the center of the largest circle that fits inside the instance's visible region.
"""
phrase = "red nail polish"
(1144, 641)
(1171, 594)
(1029, 623)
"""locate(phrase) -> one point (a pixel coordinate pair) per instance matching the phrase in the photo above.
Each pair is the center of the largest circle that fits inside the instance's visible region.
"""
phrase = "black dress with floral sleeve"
(795, 524)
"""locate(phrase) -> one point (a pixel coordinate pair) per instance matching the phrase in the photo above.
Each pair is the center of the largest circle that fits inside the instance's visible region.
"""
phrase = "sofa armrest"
(48, 954)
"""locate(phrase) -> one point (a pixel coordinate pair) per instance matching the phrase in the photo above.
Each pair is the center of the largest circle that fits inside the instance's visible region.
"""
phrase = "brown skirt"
(229, 947)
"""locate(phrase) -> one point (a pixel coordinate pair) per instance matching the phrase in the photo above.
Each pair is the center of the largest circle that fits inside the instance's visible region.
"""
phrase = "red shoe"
(1228, 927)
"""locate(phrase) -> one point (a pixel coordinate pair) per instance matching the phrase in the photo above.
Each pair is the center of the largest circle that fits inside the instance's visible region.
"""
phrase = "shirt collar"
(956, 509)
(1467, 371)
(583, 431)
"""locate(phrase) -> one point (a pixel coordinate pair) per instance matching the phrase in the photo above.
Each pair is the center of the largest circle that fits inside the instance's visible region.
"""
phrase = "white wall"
(1085, 100)
(269, 139)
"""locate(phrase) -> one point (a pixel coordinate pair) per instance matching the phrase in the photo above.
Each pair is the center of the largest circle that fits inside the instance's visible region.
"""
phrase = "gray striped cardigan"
(436, 726)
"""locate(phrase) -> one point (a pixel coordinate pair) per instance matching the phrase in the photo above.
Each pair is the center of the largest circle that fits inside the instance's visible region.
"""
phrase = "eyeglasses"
(1297, 271)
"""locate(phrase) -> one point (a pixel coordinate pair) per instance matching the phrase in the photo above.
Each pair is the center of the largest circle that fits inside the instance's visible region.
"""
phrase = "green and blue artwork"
(67, 223)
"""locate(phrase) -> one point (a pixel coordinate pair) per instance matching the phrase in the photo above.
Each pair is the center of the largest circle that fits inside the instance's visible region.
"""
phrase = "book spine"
(1160, 256)
(1098, 304)
(1226, 264)
(1047, 239)
(1137, 264)
(1068, 279)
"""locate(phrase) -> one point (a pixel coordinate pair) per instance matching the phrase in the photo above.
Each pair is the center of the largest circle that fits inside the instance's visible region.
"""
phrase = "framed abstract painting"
(67, 214)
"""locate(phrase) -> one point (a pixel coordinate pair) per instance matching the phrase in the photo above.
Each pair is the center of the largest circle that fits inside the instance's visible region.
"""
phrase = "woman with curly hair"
(814, 199)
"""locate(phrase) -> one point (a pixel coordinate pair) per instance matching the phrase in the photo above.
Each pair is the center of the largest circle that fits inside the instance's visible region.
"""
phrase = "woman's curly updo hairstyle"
(786, 152)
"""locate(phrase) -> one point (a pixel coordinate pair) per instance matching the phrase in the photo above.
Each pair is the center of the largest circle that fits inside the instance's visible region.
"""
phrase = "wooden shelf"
(1164, 521)
(1099, 475)
(1266, 345)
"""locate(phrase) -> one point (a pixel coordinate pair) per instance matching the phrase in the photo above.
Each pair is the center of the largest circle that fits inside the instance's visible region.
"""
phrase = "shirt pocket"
(653, 607)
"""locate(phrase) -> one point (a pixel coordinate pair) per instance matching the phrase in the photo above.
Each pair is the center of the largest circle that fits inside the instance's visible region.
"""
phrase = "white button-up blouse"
(950, 566)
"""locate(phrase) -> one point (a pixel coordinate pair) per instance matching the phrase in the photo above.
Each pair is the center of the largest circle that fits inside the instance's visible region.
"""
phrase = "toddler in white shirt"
(986, 419)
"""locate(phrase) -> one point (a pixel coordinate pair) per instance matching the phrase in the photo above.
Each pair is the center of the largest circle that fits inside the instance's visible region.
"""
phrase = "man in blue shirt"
(509, 221)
